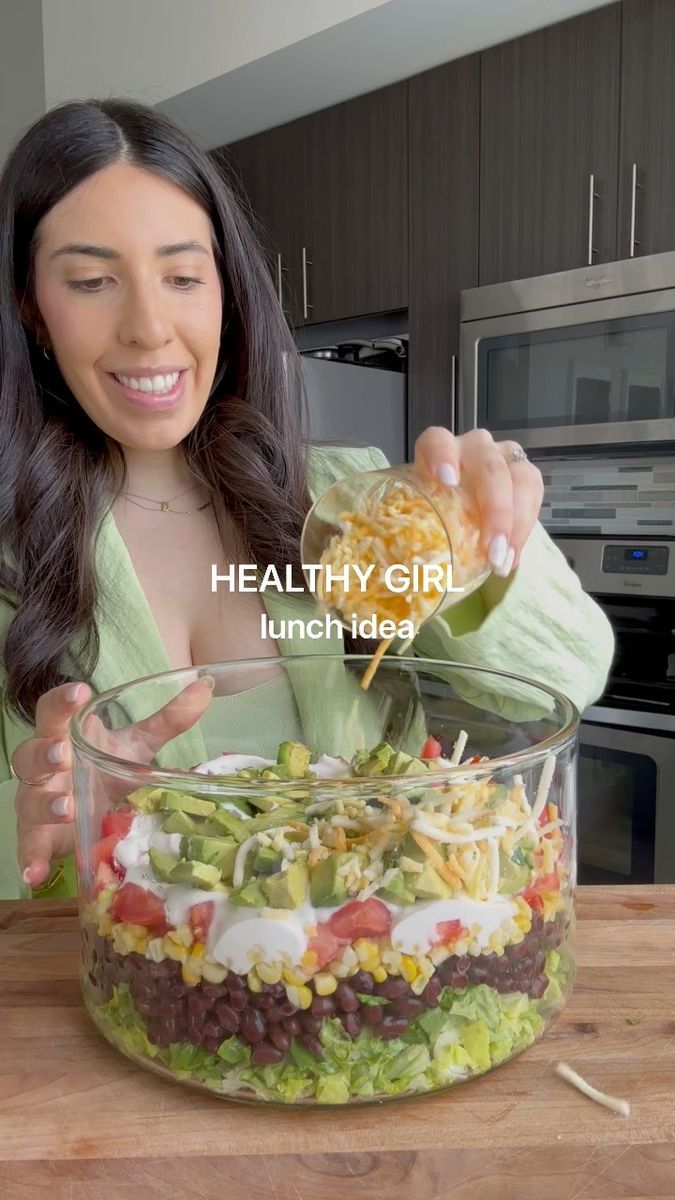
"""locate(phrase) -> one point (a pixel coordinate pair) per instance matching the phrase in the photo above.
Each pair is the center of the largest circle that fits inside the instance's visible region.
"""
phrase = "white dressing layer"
(240, 934)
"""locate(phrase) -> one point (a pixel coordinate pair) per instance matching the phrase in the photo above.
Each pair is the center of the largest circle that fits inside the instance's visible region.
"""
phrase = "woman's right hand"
(45, 810)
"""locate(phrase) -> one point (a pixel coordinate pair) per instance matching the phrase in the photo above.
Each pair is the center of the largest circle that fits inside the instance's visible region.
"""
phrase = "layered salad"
(355, 930)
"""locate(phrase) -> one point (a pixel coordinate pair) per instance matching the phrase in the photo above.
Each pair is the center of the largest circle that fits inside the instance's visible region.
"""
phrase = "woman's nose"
(144, 320)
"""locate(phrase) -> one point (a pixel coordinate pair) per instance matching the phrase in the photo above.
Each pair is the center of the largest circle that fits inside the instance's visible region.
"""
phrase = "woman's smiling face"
(129, 294)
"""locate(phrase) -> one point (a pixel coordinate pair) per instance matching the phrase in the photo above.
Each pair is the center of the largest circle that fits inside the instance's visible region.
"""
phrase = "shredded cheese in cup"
(380, 520)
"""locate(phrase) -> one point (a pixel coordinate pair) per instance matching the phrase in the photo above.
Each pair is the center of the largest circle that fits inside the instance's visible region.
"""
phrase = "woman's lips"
(151, 400)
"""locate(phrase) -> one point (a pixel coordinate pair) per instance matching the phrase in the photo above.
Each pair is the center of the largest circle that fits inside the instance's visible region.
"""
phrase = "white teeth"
(147, 383)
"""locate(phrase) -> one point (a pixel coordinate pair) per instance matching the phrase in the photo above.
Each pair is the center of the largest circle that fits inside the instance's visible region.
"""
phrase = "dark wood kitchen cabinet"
(444, 107)
(549, 148)
(357, 206)
(269, 170)
(330, 191)
(647, 157)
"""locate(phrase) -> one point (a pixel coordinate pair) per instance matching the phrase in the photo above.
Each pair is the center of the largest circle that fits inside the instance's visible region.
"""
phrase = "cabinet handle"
(280, 293)
(633, 208)
(592, 197)
(453, 394)
(306, 262)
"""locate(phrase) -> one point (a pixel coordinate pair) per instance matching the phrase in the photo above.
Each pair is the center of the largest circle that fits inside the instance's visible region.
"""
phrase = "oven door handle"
(630, 717)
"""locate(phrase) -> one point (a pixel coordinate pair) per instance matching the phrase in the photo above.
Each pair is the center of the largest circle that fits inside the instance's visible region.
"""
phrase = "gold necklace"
(164, 505)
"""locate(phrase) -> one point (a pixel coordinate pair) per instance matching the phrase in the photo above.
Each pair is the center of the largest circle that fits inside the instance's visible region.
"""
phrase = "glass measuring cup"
(393, 545)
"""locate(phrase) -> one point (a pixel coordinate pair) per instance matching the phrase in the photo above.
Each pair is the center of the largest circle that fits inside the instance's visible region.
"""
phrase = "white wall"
(22, 83)
(153, 49)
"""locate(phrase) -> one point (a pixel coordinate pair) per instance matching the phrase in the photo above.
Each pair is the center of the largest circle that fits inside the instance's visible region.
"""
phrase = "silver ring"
(28, 782)
(518, 455)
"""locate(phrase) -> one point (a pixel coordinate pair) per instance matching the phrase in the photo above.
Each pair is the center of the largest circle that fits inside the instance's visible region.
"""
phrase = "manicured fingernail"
(56, 753)
(73, 693)
(60, 806)
(447, 474)
(497, 552)
(209, 681)
(28, 874)
(508, 564)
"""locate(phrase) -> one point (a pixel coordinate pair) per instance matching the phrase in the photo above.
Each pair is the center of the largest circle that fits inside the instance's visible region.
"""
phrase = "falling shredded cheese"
(619, 1106)
(373, 664)
(458, 748)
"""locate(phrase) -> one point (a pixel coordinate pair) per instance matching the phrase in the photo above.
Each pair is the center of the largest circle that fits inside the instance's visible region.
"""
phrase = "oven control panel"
(642, 567)
(635, 559)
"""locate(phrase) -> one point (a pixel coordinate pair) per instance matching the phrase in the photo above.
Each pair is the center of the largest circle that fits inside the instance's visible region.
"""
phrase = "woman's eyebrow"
(105, 252)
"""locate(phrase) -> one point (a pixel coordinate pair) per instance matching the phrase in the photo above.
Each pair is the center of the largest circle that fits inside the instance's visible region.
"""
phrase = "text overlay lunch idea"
(399, 579)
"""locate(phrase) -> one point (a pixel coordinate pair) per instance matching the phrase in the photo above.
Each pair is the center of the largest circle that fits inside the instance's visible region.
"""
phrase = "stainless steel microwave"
(578, 359)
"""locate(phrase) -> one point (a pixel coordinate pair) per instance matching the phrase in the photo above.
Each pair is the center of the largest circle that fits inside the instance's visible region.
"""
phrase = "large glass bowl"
(365, 895)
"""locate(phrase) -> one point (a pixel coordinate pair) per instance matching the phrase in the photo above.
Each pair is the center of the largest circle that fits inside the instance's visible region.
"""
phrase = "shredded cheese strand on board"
(619, 1106)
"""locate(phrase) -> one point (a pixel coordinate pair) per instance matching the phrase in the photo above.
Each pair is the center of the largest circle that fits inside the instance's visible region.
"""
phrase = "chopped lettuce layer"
(466, 1034)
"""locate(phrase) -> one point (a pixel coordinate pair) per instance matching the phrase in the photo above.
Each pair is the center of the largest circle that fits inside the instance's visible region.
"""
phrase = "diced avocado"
(222, 821)
(196, 874)
(278, 771)
(429, 885)
(238, 803)
(146, 799)
(287, 889)
(376, 762)
(269, 820)
(162, 864)
(216, 852)
(266, 861)
(408, 848)
(248, 773)
(184, 802)
(268, 803)
(514, 876)
(398, 890)
(401, 763)
(295, 756)
(329, 889)
(180, 822)
(250, 894)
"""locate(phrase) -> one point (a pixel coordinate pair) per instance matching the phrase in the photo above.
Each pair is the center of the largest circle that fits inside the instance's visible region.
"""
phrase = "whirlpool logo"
(598, 281)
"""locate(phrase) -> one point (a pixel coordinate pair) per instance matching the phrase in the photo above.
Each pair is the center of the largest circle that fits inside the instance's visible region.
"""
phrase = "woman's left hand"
(508, 493)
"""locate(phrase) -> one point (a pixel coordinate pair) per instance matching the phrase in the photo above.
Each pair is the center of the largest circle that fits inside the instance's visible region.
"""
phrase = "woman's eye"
(184, 283)
(88, 285)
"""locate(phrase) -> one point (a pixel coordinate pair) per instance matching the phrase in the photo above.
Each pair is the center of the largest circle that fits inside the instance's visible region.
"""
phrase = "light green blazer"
(539, 624)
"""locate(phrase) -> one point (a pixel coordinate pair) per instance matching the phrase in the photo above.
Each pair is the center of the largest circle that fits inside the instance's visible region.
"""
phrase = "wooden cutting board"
(78, 1121)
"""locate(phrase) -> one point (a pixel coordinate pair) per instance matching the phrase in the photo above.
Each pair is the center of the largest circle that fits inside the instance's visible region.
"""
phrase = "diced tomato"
(431, 748)
(533, 894)
(447, 932)
(105, 877)
(361, 918)
(139, 907)
(326, 945)
(102, 852)
(201, 916)
(474, 758)
(117, 821)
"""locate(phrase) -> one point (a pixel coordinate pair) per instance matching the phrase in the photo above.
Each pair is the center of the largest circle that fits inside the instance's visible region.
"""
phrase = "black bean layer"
(208, 1013)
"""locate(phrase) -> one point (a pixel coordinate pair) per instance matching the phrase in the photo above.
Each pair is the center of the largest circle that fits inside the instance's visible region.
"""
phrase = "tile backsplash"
(623, 496)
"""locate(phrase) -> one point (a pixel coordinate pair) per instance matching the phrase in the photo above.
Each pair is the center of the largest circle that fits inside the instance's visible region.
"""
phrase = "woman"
(149, 429)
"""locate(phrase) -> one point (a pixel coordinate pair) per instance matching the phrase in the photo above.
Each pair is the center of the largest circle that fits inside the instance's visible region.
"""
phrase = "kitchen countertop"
(79, 1120)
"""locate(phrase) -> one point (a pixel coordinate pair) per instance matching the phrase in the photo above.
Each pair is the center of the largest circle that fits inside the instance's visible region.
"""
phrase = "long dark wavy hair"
(59, 472)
